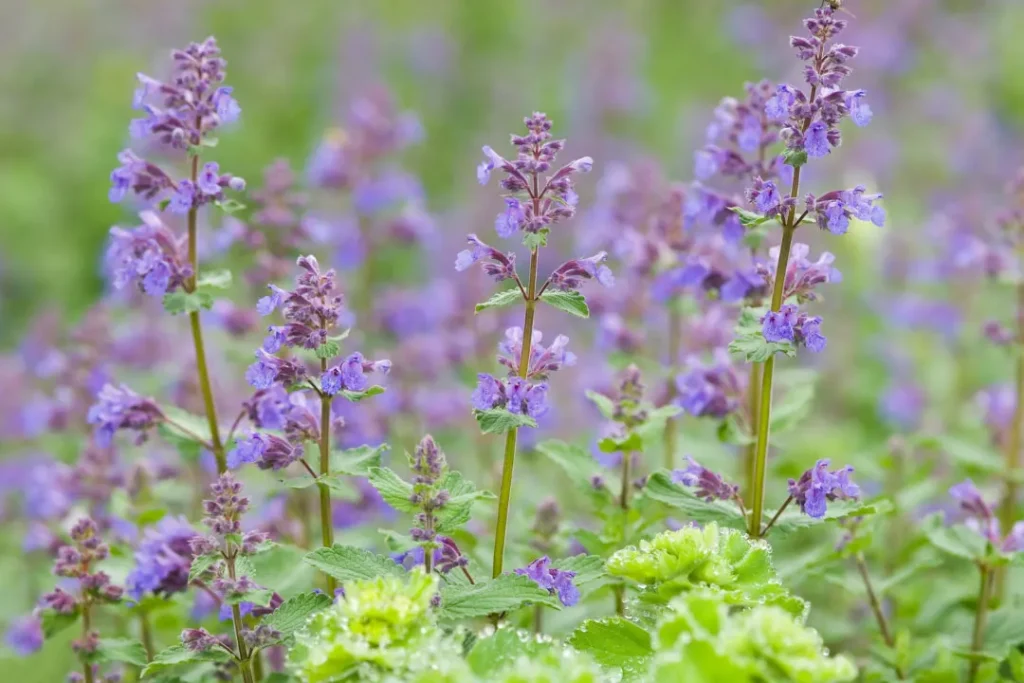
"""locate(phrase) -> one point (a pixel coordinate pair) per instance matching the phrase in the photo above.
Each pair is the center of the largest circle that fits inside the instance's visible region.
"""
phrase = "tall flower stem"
(750, 451)
(876, 609)
(326, 518)
(86, 628)
(620, 590)
(147, 635)
(980, 618)
(1008, 509)
(765, 409)
(505, 495)
(197, 336)
(675, 343)
(236, 619)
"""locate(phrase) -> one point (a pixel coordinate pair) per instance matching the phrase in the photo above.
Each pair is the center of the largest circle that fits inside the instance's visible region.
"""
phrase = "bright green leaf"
(577, 462)
(660, 487)
(503, 594)
(490, 655)
(230, 206)
(200, 564)
(603, 403)
(570, 302)
(328, 350)
(54, 622)
(348, 563)
(355, 396)
(501, 299)
(955, 540)
(120, 650)
(179, 654)
(395, 491)
(535, 240)
(615, 643)
(294, 612)
(358, 461)
(215, 279)
(187, 302)
(499, 420)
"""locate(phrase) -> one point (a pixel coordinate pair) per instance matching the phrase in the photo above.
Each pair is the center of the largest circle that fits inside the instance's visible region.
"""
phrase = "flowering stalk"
(980, 619)
(674, 348)
(750, 451)
(620, 590)
(876, 609)
(1008, 509)
(326, 520)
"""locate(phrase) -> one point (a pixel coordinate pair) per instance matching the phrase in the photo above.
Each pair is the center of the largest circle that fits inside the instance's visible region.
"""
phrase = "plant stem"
(749, 451)
(765, 410)
(1008, 510)
(147, 635)
(876, 608)
(620, 590)
(674, 345)
(538, 619)
(510, 439)
(197, 337)
(236, 619)
(86, 628)
(257, 666)
(775, 517)
(326, 518)
(980, 617)
(428, 550)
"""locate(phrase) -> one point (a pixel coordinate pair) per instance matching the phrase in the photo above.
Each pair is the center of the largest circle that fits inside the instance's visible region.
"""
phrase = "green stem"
(765, 409)
(236, 619)
(1008, 509)
(674, 345)
(980, 617)
(505, 495)
(197, 337)
(326, 518)
(749, 451)
(147, 635)
(876, 608)
(620, 590)
(257, 666)
(538, 619)
(86, 628)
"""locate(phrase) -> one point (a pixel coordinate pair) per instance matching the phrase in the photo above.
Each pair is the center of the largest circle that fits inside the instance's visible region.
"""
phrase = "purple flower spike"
(163, 559)
(709, 485)
(499, 266)
(555, 581)
(121, 408)
(818, 485)
(816, 140)
(25, 635)
(860, 111)
(511, 220)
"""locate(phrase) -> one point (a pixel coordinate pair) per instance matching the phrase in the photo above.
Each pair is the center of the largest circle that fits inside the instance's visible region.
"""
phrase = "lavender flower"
(709, 390)
(556, 581)
(497, 265)
(121, 408)
(268, 451)
(162, 559)
(570, 275)
(789, 324)
(150, 255)
(818, 485)
(25, 635)
(709, 485)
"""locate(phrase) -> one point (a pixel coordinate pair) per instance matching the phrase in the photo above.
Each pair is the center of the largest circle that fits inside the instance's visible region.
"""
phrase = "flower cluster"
(710, 485)
(530, 206)
(555, 581)
(710, 390)
(819, 485)
(522, 393)
(268, 451)
(121, 408)
(77, 561)
(802, 274)
(982, 519)
(163, 559)
(790, 324)
(150, 255)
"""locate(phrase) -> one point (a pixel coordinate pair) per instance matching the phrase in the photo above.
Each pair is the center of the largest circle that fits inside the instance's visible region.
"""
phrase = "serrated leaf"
(661, 488)
(281, 567)
(260, 596)
(501, 299)
(749, 219)
(971, 455)
(187, 302)
(753, 347)
(576, 462)
(793, 520)
(956, 540)
(535, 240)
(794, 157)
(794, 406)
(395, 491)
(503, 594)
(195, 424)
(615, 643)
(328, 350)
(588, 568)
(230, 206)
(604, 404)
(490, 655)
(348, 563)
(215, 279)
(358, 461)
(355, 396)
(53, 622)
(499, 420)
(200, 564)
(294, 612)
(120, 650)
(570, 302)
(462, 494)
(179, 654)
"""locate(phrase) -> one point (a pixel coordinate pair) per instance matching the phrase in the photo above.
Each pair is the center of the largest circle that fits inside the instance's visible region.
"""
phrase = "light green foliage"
(721, 560)
(554, 666)
(384, 627)
(700, 639)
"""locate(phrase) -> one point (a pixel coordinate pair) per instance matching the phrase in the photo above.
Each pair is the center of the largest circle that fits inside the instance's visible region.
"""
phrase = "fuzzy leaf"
(328, 350)
(230, 206)
(395, 491)
(463, 494)
(54, 622)
(355, 396)
(187, 302)
(749, 219)
(200, 564)
(499, 420)
(660, 487)
(294, 612)
(577, 463)
(348, 563)
(535, 240)
(570, 302)
(260, 596)
(603, 403)
(120, 650)
(793, 407)
(794, 157)
(754, 349)
(955, 540)
(215, 279)
(503, 594)
(793, 520)
(179, 654)
(490, 655)
(358, 461)
(501, 299)
(615, 643)
(588, 568)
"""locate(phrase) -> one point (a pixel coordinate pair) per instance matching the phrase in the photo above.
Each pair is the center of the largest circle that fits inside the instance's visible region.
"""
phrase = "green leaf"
(503, 594)
(792, 519)
(355, 396)
(260, 597)
(630, 441)
(200, 564)
(230, 206)
(490, 655)
(749, 219)
(395, 491)
(660, 487)
(358, 461)
(570, 302)
(794, 157)
(150, 516)
(956, 540)
(588, 568)
(499, 420)
(462, 494)
(328, 350)
(970, 455)
(603, 403)
(1005, 631)
(754, 236)
(793, 407)
(535, 240)
(215, 279)
(294, 612)
(754, 349)
(120, 650)
(615, 643)
(348, 563)
(281, 566)
(187, 302)
(54, 622)
(653, 428)
(501, 299)
(577, 462)
(179, 654)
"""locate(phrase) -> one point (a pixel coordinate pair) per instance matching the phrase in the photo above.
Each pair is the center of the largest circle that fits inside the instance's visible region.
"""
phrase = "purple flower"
(816, 140)
(818, 485)
(268, 304)
(493, 160)
(709, 485)
(709, 391)
(209, 179)
(777, 108)
(860, 111)
(273, 342)
(489, 392)
(511, 220)
(263, 373)
(765, 196)
(555, 581)
(162, 559)
(706, 162)
(184, 198)
(570, 275)
(225, 105)
(778, 325)
(748, 138)
(348, 376)
(121, 408)
(25, 635)
(499, 266)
